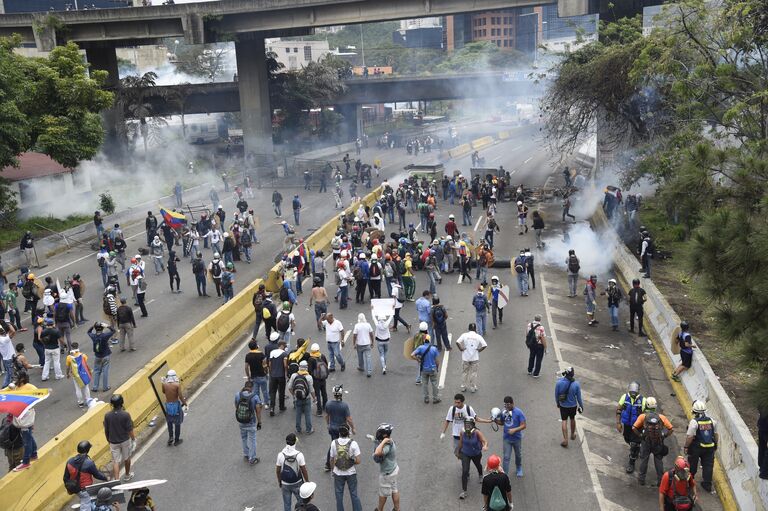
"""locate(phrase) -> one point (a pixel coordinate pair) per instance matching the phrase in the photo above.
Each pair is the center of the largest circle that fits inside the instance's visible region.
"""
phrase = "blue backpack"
(479, 302)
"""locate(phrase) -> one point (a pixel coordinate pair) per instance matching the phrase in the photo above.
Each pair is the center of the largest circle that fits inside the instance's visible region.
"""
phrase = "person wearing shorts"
(385, 456)
(118, 428)
(685, 342)
(568, 400)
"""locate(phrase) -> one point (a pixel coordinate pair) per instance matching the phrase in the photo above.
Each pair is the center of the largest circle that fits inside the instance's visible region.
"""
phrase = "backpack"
(284, 295)
(226, 279)
(652, 429)
(375, 270)
(216, 269)
(62, 313)
(300, 387)
(679, 501)
(142, 284)
(101, 261)
(5, 433)
(197, 266)
(283, 322)
(497, 502)
(320, 371)
(27, 290)
(573, 264)
(439, 314)
(245, 239)
(479, 303)
(530, 337)
(266, 313)
(72, 485)
(288, 474)
(343, 459)
(357, 273)
(651, 248)
(244, 410)
(520, 265)
(401, 267)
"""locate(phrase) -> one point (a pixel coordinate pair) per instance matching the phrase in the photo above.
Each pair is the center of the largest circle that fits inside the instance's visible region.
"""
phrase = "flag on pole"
(173, 218)
(18, 402)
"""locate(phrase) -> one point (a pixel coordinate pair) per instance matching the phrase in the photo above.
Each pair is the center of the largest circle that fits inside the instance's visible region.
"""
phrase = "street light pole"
(362, 44)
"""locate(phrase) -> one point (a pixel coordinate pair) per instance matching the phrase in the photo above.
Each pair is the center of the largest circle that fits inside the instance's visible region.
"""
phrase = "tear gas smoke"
(594, 249)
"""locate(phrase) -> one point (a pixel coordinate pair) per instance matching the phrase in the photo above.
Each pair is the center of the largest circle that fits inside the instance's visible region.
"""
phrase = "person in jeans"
(291, 471)
(125, 324)
(345, 454)
(7, 332)
(278, 368)
(573, 266)
(470, 344)
(614, 296)
(427, 354)
(256, 371)
(248, 429)
(25, 423)
(512, 420)
(334, 338)
(102, 352)
(472, 443)
(382, 340)
(303, 395)
(84, 466)
(362, 340)
(539, 348)
(175, 406)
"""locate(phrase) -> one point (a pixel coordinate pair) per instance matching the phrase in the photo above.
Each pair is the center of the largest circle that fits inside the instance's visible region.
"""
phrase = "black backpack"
(283, 322)
(375, 270)
(244, 410)
(573, 264)
(439, 314)
(216, 269)
(530, 337)
(284, 296)
(27, 290)
(300, 387)
(6, 431)
(62, 313)
(197, 266)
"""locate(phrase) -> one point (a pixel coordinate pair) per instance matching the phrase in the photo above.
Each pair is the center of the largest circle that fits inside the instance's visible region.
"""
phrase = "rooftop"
(32, 165)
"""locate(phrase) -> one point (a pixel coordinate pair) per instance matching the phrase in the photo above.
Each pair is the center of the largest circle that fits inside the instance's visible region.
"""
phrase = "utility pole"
(362, 44)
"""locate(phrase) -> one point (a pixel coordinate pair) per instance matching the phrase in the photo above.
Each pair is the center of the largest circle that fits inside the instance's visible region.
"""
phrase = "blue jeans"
(261, 384)
(30, 446)
(247, 253)
(614, 311)
(290, 490)
(228, 257)
(383, 348)
(248, 436)
(104, 274)
(522, 283)
(466, 217)
(480, 321)
(296, 216)
(100, 369)
(227, 292)
(364, 358)
(304, 408)
(85, 500)
(334, 354)
(338, 485)
(343, 299)
(432, 282)
(441, 334)
(200, 281)
(278, 209)
(216, 247)
(517, 445)
(8, 368)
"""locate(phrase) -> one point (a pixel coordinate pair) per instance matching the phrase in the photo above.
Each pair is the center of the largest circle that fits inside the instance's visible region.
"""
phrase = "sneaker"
(94, 390)
(80, 404)
(170, 442)
(426, 400)
(253, 461)
(463, 495)
(418, 382)
(59, 377)
(178, 442)
(343, 367)
(519, 471)
(310, 431)
(436, 401)
(128, 477)
(384, 370)
(327, 468)
(21, 466)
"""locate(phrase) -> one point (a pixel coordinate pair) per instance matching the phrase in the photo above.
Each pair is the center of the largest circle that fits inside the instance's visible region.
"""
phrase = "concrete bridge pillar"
(253, 84)
(353, 120)
(105, 59)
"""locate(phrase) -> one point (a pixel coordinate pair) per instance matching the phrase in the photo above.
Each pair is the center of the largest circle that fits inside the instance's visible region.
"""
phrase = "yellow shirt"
(408, 268)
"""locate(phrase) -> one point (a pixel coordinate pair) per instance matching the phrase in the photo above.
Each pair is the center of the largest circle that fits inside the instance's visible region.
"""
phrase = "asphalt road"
(208, 472)
(172, 315)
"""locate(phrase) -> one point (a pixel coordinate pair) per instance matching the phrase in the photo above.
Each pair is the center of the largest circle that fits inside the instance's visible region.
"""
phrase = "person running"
(496, 489)
(345, 454)
(175, 405)
(685, 342)
(470, 344)
(291, 471)
(385, 456)
(653, 428)
(701, 441)
(472, 443)
(568, 400)
(631, 405)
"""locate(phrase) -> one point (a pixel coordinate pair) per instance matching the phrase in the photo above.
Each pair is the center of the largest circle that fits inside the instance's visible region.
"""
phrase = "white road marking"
(563, 328)
(602, 502)
(478, 223)
(137, 309)
(598, 400)
(529, 159)
(461, 278)
(444, 369)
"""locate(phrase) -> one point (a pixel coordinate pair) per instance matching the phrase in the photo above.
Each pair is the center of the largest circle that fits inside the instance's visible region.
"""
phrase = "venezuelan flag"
(173, 218)
(82, 374)
(17, 402)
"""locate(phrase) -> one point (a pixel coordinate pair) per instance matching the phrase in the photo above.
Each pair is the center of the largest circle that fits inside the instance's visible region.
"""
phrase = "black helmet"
(645, 234)
(104, 495)
(635, 282)
(593, 277)
(643, 228)
(116, 400)
(83, 447)
(384, 431)
(684, 325)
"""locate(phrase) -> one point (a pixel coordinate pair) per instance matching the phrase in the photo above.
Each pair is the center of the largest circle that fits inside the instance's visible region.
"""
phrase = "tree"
(206, 60)
(480, 56)
(133, 99)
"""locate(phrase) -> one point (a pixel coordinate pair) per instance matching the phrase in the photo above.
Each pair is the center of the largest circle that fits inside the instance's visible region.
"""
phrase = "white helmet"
(519, 203)
(495, 413)
(495, 277)
(216, 255)
(451, 217)
(699, 407)
(423, 326)
(650, 403)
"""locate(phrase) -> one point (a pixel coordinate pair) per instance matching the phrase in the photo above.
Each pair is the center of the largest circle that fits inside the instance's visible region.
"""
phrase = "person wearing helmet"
(646, 254)
(522, 216)
(685, 343)
(653, 428)
(118, 428)
(472, 443)
(306, 494)
(104, 501)
(677, 489)
(614, 295)
(318, 368)
(520, 265)
(496, 291)
(496, 489)
(429, 365)
(568, 400)
(385, 456)
(227, 282)
(631, 405)
(701, 440)
(79, 472)
(337, 414)
(590, 298)
(637, 298)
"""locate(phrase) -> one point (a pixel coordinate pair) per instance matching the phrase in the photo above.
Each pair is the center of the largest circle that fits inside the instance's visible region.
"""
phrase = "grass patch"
(10, 237)
(679, 286)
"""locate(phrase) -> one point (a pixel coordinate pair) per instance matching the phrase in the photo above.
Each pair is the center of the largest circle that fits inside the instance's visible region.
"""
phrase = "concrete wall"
(737, 450)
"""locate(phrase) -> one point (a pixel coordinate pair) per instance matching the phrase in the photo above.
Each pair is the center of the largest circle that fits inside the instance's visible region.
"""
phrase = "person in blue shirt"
(100, 334)
(248, 427)
(296, 208)
(480, 303)
(568, 400)
(427, 355)
(513, 423)
(424, 311)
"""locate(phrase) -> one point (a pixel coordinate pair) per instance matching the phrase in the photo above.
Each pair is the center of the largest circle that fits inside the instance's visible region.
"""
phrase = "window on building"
(26, 192)
(295, 50)
(493, 20)
(485, 33)
(484, 20)
(287, 50)
(307, 53)
(506, 43)
(498, 43)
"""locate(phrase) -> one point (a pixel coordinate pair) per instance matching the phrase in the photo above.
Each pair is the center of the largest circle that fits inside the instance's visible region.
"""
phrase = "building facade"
(294, 54)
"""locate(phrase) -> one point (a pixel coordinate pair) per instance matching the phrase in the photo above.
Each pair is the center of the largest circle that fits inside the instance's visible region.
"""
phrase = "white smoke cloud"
(595, 250)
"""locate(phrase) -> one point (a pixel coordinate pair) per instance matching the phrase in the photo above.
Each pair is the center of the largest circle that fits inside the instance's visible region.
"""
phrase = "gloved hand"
(442, 436)
(370, 437)
(258, 425)
(580, 409)
(185, 408)
(133, 445)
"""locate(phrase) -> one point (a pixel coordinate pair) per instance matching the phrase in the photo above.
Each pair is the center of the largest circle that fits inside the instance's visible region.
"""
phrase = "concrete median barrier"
(481, 143)
(736, 470)
(41, 488)
(459, 151)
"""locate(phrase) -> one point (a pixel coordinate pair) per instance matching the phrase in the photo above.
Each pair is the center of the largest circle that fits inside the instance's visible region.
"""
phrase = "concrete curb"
(736, 470)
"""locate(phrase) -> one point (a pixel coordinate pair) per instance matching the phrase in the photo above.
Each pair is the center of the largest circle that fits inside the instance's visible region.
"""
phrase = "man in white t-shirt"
(471, 344)
(344, 277)
(7, 351)
(334, 337)
(291, 470)
(456, 415)
(362, 340)
(345, 454)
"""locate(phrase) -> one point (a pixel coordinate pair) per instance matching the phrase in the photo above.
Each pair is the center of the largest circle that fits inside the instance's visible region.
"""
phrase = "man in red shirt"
(677, 490)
